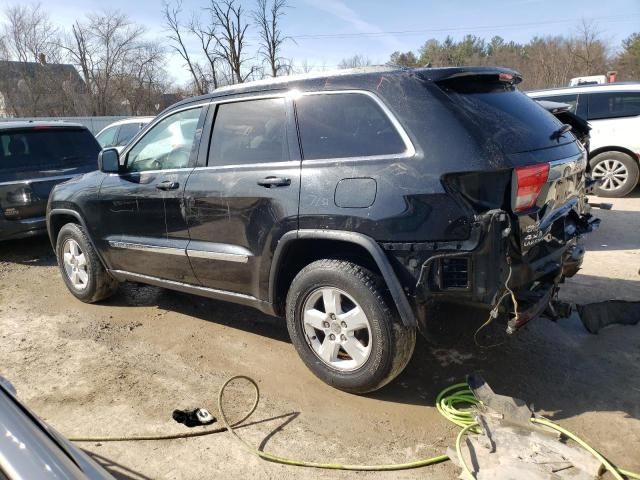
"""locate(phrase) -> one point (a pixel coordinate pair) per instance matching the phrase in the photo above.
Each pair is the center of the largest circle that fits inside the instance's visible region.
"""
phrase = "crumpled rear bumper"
(475, 271)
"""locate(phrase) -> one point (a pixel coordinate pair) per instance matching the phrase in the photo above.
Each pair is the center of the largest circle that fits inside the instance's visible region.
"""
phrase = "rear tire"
(618, 173)
(343, 328)
(82, 270)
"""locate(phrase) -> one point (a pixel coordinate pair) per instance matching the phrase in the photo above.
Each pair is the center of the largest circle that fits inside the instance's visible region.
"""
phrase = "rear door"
(246, 197)
(34, 160)
(143, 227)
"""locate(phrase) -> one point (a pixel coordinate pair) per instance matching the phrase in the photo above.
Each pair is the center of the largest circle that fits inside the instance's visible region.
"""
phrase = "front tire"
(618, 174)
(342, 326)
(82, 271)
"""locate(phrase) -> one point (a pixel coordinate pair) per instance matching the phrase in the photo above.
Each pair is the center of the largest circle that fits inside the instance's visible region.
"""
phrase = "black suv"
(348, 203)
(34, 157)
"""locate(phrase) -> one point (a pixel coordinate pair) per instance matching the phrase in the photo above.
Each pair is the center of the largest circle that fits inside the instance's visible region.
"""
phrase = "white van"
(613, 110)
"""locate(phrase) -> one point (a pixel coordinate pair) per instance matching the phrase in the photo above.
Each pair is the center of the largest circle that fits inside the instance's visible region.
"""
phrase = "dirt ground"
(121, 367)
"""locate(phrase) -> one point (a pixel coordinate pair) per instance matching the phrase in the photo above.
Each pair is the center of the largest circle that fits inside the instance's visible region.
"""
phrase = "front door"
(246, 197)
(143, 224)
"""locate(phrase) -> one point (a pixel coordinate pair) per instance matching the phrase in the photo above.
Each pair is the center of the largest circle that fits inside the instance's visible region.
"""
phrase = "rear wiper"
(560, 132)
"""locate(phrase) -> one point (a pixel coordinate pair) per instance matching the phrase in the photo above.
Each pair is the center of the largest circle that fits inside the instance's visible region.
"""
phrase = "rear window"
(345, 125)
(614, 105)
(499, 115)
(47, 149)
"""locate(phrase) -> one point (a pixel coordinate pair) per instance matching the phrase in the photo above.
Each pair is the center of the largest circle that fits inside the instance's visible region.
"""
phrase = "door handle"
(274, 182)
(167, 185)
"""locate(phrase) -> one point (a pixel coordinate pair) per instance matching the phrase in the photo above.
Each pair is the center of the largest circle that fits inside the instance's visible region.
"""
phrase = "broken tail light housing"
(530, 180)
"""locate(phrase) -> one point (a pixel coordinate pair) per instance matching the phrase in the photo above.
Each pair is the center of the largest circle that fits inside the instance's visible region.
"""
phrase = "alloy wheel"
(612, 174)
(337, 329)
(75, 264)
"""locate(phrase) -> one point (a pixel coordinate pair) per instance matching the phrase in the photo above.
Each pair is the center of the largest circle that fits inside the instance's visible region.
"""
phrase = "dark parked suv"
(34, 157)
(348, 203)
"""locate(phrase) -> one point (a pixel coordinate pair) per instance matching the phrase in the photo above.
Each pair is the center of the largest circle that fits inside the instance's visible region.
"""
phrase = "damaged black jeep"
(349, 203)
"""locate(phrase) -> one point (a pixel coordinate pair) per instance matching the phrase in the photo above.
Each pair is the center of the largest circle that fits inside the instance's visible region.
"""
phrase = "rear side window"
(613, 105)
(126, 133)
(252, 131)
(47, 149)
(571, 100)
(345, 125)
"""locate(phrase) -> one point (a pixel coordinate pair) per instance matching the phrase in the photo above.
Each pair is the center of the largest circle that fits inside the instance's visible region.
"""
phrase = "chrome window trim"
(410, 150)
(247, 166)
(144, 172)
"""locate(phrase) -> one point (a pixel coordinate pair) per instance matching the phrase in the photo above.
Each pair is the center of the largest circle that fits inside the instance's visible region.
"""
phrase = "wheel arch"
(297, 249)
(58, 218)
(626, 151)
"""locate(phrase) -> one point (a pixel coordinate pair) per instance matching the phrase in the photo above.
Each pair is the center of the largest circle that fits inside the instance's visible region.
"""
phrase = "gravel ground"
(122, 366)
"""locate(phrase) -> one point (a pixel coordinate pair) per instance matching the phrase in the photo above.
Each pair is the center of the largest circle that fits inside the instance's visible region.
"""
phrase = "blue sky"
(412, 21)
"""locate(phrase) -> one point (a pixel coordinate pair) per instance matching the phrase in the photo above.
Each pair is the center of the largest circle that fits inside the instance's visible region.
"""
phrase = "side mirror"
(109, 160)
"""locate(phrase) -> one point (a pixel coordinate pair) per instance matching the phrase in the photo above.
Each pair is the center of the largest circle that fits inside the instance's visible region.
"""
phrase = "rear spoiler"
(499, 74)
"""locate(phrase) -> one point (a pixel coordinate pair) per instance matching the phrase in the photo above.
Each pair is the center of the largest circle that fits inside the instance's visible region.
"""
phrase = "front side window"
(167, 145)
(614, 105)
(345, 125)
(252, 131)
(107, 137)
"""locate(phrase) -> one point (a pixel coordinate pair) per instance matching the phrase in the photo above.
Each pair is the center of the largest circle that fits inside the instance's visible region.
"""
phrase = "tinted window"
(345, 125)
(167, 145)
(614, 105)
(127, 132)
(249, 132)
(571, 100)
(107, 137)
(47, 149)
(502, 118)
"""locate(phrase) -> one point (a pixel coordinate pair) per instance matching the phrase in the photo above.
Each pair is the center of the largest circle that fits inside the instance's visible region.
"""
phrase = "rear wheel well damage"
(295, 254)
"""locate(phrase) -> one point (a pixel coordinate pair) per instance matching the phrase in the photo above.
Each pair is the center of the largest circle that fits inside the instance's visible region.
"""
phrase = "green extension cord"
(447, 402)
(454, 403)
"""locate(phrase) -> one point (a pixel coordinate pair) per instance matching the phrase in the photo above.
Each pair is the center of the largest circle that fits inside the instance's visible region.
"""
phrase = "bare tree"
(141, 83)
(102, 47)
(589, 50)
(171, 13)
(30, 39)
(29, 34)
(267, 16)
(231, 37)
(354, 62)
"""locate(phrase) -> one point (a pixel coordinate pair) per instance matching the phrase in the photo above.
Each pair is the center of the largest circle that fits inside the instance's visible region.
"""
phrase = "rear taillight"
(530, 181)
